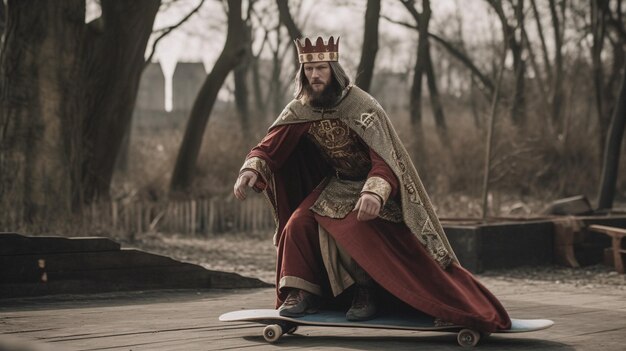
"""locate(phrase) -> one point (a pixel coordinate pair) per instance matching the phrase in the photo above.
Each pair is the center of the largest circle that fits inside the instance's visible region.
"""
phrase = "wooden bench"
(616, 234)
(567, 234)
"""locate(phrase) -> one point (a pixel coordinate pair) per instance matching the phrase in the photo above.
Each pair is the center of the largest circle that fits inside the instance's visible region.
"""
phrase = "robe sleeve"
(381, 180)
(273, 151)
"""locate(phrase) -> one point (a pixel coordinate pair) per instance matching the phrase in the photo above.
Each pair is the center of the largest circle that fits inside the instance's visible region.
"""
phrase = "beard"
(324, 99)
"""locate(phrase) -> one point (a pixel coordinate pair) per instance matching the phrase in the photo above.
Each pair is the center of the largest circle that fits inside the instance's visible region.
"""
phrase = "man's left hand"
(368, 207)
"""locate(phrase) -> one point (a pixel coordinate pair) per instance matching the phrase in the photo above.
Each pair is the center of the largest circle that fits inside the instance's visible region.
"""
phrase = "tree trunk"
(292, 28)
(241, 98)
(473, 101)
(557, 84)
(598, 28)
(258, 90)
(259, 99)
(518, 108)
(230, 57)
(544, 47)
(121, 161)
(365, 72)
(276, 84)
(416, 93)
(40, 107)
(610, 163)
(435, 102)
(65, 109)
(116, 62)
(3, 17)
(275, 93)
(541, 85)
(241, 84)
(416, 89)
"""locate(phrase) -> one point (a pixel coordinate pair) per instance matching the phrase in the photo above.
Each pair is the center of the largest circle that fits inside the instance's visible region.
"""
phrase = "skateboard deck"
(277, 325)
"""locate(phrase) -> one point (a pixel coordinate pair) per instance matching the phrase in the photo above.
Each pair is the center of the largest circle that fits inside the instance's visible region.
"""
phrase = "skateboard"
(277, 326)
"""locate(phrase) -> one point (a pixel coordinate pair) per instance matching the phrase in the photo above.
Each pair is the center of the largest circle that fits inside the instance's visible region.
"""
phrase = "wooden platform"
(188, 320)
(38, 265)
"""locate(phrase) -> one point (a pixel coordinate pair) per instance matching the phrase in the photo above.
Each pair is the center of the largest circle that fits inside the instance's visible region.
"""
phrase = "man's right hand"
(246, 179)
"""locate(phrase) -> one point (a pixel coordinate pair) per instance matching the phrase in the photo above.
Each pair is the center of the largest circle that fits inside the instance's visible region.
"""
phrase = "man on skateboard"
(351, 209)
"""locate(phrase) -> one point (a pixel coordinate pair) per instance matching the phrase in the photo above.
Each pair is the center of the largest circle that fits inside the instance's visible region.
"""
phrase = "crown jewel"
(319, 52)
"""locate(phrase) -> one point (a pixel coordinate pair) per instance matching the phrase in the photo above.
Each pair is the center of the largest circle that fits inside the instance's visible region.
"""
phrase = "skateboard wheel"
(468, 338)
(272, 333)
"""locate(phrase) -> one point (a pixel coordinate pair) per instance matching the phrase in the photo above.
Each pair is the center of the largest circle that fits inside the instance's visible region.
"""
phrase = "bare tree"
(3, 17)
(610, 162)
(121, 163)
(611, 19)
(458, 53)
(232, 54)
(598, 30)
(518, 108)
(423, 65)
(606, 26)
(67, 93)
(40, 125)
(116, 45)
(260, 101)
(542, 39)
(241, 75)
(279, 44)
(290, 24)
(558, 21)
(365, 72)
(164, 32)
(279, 49)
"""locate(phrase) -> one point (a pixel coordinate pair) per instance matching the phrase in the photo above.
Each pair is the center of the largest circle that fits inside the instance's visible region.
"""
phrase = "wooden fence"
(199, 216)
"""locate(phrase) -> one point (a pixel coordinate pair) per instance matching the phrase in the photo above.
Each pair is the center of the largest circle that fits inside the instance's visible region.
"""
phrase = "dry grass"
(530, 167)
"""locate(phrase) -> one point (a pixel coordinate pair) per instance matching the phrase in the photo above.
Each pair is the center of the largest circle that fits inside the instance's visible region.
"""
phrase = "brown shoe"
(364, 304)
(298, 303)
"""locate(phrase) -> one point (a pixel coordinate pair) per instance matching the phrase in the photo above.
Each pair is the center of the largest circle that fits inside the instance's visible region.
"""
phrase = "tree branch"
(405, 24)
(410, 6)
(454, 52)
(168, 30)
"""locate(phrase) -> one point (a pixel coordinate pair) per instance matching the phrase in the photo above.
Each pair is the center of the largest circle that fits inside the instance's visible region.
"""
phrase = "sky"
(202, 37)
(199, 40)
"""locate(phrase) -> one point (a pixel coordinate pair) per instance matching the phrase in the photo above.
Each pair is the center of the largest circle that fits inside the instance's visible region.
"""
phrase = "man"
(350, 209)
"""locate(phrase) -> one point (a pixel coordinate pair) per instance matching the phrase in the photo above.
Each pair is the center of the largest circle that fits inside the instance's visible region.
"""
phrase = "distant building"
(187, 80)
(151, 93)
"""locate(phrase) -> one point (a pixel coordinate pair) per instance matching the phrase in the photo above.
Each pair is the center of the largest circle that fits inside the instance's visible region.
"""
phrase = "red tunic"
(385, 250)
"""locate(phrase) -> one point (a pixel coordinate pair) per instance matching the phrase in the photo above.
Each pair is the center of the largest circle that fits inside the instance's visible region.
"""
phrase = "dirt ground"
(253, 255)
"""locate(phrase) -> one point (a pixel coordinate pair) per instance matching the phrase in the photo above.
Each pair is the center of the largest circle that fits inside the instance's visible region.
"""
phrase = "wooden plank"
(182, 320)
(120, 322)
(81, 261)
(12, 244)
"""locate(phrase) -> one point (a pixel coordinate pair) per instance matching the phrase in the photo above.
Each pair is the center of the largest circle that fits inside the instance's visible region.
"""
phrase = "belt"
(342, 176)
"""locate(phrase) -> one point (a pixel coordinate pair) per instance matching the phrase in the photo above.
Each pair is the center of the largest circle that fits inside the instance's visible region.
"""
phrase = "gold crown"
(319, 52)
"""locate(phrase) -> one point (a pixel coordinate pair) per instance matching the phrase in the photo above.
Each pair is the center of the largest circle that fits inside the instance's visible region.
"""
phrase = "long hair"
(340, 79)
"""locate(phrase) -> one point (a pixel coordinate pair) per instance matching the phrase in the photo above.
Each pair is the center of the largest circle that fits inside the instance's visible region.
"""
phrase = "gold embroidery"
(256, 163)
(416, 207)
(339, 197)
(378, 186)
(341, 147)
(366, 120)
(331, 134)
(441, 323)
(411, 188)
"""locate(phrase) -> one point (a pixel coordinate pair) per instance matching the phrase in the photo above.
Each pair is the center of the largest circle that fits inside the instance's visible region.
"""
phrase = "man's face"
(318, 74)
